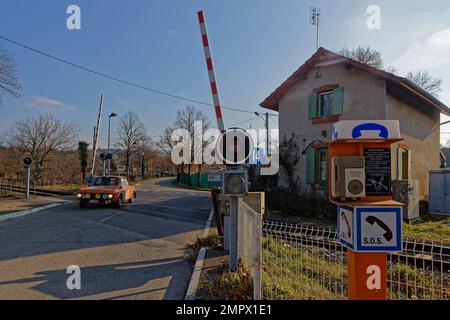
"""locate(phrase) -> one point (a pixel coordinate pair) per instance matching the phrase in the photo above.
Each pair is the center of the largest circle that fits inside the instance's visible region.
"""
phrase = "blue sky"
(256, 44)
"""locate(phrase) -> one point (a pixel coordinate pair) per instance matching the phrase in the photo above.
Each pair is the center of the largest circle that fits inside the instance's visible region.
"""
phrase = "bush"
(300, 204)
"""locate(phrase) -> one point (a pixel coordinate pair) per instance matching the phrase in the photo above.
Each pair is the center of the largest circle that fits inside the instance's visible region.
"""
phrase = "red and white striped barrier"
(212, 77)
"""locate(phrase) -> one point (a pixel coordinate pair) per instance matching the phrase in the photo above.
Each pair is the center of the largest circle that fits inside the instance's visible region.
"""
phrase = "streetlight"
(112, 115)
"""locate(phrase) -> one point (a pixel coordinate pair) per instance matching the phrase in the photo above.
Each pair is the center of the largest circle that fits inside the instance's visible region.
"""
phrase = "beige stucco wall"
(420, 136)
(364, 98)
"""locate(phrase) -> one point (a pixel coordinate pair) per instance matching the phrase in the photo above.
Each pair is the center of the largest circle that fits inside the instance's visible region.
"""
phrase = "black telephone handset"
(388, 234)
(349, 229)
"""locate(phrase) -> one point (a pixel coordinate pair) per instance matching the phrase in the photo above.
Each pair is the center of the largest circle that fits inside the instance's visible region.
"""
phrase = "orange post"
(367, 271)
(367, 275)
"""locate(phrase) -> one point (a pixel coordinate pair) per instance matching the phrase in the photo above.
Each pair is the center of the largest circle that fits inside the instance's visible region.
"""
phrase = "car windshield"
(107, 181)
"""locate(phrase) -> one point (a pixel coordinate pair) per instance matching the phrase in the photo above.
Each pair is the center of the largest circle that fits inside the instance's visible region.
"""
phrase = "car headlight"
(110, 196)
(98, 196)
(87, 195)
(79, 196)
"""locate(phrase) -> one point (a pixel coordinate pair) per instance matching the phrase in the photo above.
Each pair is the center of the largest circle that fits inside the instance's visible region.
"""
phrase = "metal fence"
(306, 262)
(10, 188)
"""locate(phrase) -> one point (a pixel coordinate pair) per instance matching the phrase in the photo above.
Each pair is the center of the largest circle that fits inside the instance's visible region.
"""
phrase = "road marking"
(208, 224)
(176, 208)
(106, 219)
(191, 293)
(32, 210)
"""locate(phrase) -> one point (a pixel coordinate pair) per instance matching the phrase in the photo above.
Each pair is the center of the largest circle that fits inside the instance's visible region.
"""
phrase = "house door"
(403, 164)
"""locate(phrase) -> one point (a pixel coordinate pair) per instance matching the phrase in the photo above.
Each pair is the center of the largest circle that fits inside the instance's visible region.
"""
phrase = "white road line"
(106, 219)
(191, 293)
(208, 224)
(32, 210)
(175, 208)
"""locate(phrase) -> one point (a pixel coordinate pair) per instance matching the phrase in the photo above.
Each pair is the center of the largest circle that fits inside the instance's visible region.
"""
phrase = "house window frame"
(321, 172)
(329, 95)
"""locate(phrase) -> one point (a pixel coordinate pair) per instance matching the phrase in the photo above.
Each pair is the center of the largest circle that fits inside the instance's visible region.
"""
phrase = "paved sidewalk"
(19, 203)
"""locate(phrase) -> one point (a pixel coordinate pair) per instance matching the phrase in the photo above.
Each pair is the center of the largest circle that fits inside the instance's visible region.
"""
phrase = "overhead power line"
(101, 74)
(242, 122)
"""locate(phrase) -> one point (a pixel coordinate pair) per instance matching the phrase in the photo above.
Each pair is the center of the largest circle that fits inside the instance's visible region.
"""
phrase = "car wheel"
(120, 201)
(131, 200)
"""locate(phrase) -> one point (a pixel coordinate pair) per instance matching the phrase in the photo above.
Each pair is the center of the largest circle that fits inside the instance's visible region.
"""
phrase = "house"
(329, 87)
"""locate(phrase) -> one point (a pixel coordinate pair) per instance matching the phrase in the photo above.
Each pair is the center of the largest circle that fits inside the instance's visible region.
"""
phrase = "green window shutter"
(312, 105)
(409, 164)
(338, 102)
(310, 165)
(399, 164)
(327, 163)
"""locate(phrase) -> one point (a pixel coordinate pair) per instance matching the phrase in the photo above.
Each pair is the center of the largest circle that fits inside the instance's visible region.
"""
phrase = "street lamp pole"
(112, 115)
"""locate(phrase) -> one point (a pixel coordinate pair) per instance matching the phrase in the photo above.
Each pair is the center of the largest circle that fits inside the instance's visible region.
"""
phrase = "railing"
(306, 262)
(13, 187)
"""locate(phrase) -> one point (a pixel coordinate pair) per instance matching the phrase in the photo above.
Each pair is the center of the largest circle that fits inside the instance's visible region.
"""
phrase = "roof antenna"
(315, 18)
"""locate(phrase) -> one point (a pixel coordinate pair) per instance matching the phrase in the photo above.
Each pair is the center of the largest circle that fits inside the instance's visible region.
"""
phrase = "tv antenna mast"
(315, 19)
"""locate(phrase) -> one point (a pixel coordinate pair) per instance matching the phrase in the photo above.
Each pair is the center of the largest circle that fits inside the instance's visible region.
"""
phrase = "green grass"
(300, 274)
(222, 284)
(408, 283)
(429, 228)
(309, 273)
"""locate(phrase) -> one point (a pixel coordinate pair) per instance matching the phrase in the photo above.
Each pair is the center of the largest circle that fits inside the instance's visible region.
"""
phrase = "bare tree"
(365, 55)
(40, 137)
(131, 133)
(424, 80)
(185, 119)
(9, 81)
(373, 58)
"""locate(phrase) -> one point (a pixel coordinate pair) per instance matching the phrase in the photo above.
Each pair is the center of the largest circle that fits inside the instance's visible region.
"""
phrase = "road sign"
(214, 177)
(346, 226)
(121, 168)
(379, 229)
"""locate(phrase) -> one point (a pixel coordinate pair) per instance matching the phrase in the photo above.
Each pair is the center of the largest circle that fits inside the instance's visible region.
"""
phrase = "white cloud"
(431, 54)
(47, 104)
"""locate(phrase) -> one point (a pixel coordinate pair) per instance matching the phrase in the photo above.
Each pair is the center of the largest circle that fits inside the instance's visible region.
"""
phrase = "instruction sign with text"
(378, 171)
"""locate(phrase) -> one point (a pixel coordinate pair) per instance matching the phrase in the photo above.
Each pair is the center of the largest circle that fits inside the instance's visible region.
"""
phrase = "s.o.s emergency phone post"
(369, 220)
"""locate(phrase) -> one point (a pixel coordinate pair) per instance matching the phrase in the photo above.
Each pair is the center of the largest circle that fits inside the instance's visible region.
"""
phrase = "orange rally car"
(107, 191)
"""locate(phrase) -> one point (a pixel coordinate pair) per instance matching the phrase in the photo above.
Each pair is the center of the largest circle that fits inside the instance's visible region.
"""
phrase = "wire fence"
(306, 262)
(12, 188)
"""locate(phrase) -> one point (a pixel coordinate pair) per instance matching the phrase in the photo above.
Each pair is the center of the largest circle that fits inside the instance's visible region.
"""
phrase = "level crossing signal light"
(27, 161)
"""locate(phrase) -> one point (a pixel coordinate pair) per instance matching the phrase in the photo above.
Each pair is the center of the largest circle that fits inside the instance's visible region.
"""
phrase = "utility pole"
(314, 17)
(266, 120)
(142, 166)
(112, 115)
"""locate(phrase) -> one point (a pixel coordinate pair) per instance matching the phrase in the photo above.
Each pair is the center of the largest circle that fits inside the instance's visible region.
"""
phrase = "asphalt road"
(137, 252)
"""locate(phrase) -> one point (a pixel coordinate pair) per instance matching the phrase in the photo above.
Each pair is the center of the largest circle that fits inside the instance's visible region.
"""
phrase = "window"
(322, 168)
(317, 166)
(325, 104)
